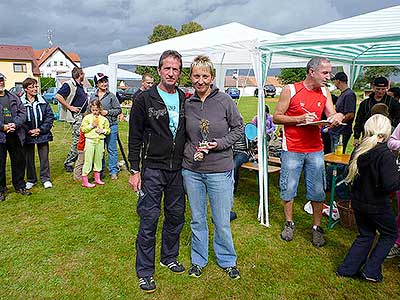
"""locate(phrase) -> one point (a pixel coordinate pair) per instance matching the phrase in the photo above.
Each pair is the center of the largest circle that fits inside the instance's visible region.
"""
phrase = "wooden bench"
(276, 161)
(254, 166)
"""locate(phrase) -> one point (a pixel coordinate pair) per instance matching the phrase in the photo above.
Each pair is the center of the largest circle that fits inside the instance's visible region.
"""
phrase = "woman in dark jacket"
(373, 176)
(39, 121)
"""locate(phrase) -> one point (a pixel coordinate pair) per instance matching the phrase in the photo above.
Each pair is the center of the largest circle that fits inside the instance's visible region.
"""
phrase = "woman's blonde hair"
(203, 61)
(376, 128)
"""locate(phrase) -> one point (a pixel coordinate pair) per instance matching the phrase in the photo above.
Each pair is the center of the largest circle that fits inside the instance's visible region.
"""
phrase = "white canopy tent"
(230, 46)
(105, 69)
(371, 39)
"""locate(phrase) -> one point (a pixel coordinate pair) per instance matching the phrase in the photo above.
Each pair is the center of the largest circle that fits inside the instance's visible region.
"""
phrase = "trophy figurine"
(203, 144)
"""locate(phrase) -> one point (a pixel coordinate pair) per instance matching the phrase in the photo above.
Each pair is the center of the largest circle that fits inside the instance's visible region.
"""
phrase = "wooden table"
(254, 166)
(335, 160)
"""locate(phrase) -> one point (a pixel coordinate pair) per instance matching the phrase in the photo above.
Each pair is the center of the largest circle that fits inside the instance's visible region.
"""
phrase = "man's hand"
(336, 119)
(356, 142)
(74, 109)
(135, 182)
(306, 118)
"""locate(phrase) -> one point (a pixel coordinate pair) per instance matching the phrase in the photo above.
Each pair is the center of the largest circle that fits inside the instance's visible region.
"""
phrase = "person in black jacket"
(12, 137)
(39, 121)
(157, 135)
(380, 86)
(373, 175)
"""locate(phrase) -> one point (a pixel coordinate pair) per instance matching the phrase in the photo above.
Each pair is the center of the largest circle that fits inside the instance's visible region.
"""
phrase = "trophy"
(203, 144)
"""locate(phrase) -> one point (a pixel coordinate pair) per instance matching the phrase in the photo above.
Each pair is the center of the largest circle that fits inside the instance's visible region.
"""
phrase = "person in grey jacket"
(38, 124)
(12, 137)
(111, 110)
(213, 125)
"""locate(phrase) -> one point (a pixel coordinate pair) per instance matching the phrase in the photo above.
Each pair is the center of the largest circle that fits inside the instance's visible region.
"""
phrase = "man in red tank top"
(300, 104)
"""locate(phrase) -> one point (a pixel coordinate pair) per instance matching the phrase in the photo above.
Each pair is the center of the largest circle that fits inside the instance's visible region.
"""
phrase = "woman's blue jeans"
(219, 187)
(112, 149)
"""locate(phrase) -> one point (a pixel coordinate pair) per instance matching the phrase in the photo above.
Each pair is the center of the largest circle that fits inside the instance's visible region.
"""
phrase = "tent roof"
(105, 69)
(228, 45)
(368, 39)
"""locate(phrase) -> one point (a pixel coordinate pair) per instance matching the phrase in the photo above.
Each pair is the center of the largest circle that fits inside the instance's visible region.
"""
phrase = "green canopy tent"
(371, 39)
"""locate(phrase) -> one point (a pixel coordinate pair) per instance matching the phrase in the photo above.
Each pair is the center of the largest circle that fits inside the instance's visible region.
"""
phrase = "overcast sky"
(96, 28)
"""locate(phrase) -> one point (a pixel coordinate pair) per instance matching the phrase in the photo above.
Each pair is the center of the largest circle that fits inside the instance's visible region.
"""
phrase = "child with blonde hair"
(95, 127)
(373, 176)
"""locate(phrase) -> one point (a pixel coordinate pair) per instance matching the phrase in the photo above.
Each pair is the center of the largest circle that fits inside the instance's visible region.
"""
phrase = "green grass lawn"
(73, 243)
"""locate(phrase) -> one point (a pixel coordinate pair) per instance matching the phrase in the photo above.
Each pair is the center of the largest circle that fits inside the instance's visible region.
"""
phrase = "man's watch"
(133, 172)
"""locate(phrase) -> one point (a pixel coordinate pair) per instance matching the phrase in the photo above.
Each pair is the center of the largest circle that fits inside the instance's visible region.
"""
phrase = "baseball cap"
(98, 77)
(2, 76)
(381, 81)
(341, 76)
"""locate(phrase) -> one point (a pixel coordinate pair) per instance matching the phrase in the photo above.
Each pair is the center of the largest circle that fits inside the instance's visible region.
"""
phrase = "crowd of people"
(181, 146)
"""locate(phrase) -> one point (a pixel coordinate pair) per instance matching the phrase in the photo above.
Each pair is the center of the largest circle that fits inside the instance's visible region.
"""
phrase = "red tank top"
(304, 139)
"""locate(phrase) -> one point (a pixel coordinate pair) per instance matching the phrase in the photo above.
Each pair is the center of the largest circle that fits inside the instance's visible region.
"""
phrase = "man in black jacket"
(157, 135)
(379, 86)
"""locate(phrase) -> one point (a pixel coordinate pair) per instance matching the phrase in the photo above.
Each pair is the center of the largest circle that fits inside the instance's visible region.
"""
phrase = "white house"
(54, 61)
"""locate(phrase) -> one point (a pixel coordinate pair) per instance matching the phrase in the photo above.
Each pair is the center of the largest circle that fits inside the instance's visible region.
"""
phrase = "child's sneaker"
(47, 184)
(29, 185)
(147, 284)
(395, 251)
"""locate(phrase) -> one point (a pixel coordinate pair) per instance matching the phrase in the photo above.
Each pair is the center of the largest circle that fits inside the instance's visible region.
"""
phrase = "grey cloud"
(96, 28)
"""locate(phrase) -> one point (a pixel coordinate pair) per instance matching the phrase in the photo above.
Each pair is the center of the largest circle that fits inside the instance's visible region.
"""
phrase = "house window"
(61, 63)
(55, 63)
(49, 64)
(20, 68)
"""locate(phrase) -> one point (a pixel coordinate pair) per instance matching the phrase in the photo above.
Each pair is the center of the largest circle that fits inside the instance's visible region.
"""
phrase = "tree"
(370, 73)
(190, 28)
(292, 75)
(164, 32)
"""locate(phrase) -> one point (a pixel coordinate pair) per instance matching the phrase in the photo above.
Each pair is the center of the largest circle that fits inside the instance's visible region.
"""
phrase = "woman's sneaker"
(195, 271)
(174, 266)
(29, 185)
(395, 251)
(147, 284)
(232, 272)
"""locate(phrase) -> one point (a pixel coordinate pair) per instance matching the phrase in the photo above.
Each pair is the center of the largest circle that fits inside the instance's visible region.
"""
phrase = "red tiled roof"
(245, 81)
(43, 54)
(16, 52)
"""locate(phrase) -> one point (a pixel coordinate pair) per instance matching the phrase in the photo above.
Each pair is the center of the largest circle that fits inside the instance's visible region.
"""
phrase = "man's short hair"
(203, 61)
(380, 108)
(381, 82)
(341, 76)
(315, 62)
(29, 81)
(147, 75)
(167, 53)
(76, 72)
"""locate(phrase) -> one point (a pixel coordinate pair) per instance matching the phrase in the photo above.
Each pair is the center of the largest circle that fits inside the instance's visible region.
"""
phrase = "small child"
(95, 127)
(373, 176)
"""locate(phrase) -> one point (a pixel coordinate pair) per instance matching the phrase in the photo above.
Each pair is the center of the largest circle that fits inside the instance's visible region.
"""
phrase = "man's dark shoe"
(147, 284)
(2, 196)
(24, 192)
(287, 232)
(318, 237)
(233, 216)
(195, 271)
(232, 272)
(174, 266)
(68, 169)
